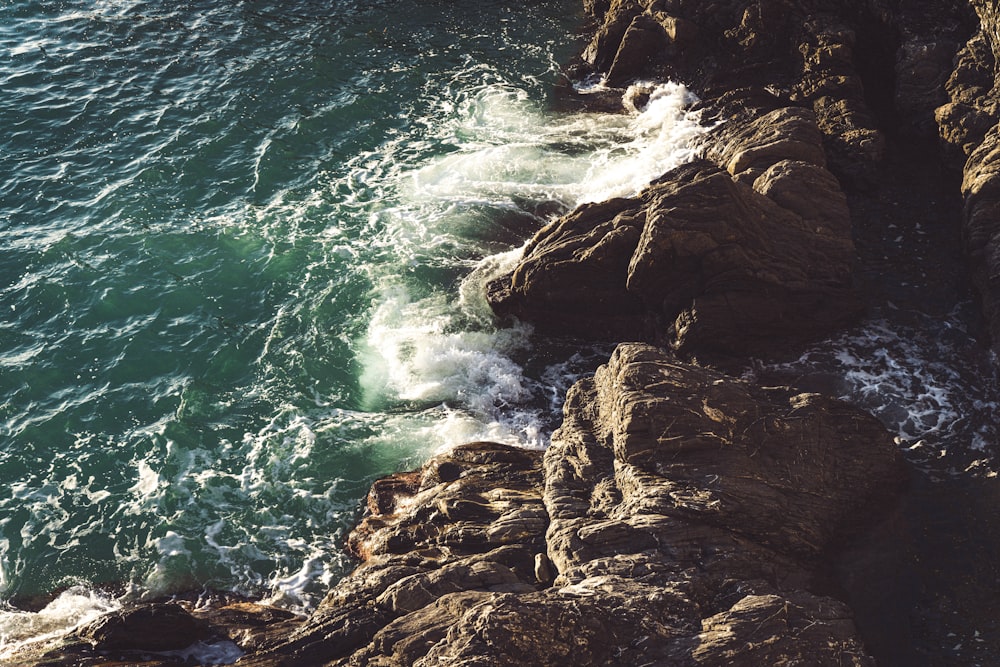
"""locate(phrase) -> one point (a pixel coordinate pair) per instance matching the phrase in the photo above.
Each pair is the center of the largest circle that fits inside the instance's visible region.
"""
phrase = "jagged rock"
(644, 39)
(683, 445)
(159, 634)
(699, 259)
(680, 517)
(970, 111)
(152, 627)
(969, 121)
(469, 521)
(981, 188)
(607, 39)
(753, 145)
(680, 521)
(249, 625)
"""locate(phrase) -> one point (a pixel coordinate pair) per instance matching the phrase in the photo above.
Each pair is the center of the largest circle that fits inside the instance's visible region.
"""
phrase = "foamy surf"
(434, 341)
(26, 633)
(281, 301)
(929, 385)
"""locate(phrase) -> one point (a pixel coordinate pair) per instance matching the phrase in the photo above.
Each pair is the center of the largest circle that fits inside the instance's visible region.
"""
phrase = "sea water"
(243, 250)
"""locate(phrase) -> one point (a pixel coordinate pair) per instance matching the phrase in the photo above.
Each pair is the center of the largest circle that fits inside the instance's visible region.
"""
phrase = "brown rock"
(969, 122)
(688, 514)
(787, 133)
(682, 445)
(644, 39)
(698, 259)
(152, 627)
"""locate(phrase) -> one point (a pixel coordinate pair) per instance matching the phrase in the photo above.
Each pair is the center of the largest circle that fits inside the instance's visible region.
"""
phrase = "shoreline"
(489, 547)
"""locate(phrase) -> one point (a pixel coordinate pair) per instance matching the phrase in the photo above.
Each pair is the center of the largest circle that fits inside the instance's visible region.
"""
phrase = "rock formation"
(731, 259)
(750, 248)
(680, 516)
(969, 123)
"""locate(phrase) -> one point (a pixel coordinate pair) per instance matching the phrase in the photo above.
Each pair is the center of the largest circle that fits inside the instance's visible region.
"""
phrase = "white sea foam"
(23, 632)
(932, 386)
(265, 513)
(507, 147)
(207, 653)
(429, 346)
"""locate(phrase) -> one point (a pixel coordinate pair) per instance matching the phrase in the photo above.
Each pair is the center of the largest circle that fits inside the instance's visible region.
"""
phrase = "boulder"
(150, 627)
(680, 517)
(701, 260)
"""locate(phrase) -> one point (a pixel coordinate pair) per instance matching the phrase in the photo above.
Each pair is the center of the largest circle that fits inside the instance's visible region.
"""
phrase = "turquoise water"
(241, 265)
(242, 256)
(193, 228)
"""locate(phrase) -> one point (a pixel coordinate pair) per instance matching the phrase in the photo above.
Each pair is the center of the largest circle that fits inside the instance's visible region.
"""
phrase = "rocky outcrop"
(176, 632)
(797, 81)
(729, 254)
(680, 517)
(969, 124)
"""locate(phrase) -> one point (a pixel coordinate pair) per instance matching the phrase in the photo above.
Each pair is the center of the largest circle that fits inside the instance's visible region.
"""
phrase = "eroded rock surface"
(969, 123)
(731, 254)
(679, 518)
(806, 81)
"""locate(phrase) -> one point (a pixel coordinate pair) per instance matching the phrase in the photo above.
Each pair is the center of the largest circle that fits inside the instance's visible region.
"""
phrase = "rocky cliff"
(681, 515)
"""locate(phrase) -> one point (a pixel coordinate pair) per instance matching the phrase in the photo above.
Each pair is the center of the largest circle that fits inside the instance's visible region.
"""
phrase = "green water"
(200, 214)
(243, 257)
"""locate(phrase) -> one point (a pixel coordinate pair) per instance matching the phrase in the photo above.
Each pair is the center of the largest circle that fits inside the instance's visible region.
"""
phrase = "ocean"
(243, 251)
(242, 255)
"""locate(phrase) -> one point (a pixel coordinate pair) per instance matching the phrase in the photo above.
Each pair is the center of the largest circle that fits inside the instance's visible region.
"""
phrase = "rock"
(968, 123)
(473, 523)
(607, 40)
(643, 41)
(787, 133)
(152, 627)
(686, 445)
(573, 275)
(700, 260)
(681, 520)
(680, 517)
(249, 625)
(981, 189)
(970, 111)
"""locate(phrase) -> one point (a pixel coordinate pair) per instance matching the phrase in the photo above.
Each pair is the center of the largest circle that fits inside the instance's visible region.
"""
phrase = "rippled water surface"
(242, 250)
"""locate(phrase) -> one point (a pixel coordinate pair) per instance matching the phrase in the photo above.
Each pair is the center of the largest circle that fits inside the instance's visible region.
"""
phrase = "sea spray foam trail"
(432, 339)
(241, 273)
(23, 629)
(927, 379)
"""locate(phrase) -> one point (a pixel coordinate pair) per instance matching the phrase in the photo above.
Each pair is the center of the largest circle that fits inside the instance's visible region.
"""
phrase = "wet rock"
(470, 521)
(249, 625)
(200, 625)
(700, 260)
(679, 517)
(153, 627)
